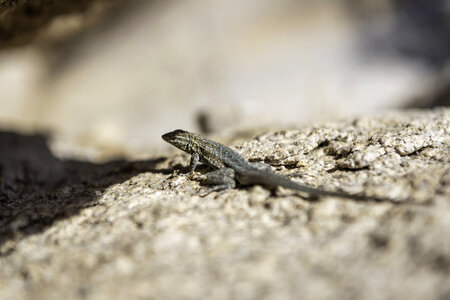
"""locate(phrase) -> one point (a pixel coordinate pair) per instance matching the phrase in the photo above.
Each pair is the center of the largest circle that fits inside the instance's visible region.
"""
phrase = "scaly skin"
(231, 166)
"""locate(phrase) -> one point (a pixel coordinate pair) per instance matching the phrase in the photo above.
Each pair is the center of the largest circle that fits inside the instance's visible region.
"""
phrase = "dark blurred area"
(420, 30)
(37, 188)
(107, 78)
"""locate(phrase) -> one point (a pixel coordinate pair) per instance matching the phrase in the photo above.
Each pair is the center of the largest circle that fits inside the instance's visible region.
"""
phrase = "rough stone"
(140, 230)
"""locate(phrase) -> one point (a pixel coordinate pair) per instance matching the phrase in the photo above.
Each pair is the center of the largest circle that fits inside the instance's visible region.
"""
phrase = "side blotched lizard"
(231, 167)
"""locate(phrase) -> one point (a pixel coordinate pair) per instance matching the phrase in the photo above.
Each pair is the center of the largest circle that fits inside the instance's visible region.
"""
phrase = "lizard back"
(212, 153)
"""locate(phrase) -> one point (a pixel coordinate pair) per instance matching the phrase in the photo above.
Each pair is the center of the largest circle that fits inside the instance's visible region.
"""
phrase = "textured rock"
(137, 230)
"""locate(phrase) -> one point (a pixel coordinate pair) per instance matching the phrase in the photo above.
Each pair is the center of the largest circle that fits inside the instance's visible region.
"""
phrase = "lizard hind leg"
(220, 179)
(254, 175)
(261, 166)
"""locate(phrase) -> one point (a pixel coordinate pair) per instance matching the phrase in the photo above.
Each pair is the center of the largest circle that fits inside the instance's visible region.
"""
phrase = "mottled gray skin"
(232, 167)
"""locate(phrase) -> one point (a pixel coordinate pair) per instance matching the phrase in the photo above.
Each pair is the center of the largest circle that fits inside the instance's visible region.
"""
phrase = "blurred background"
(104, 79)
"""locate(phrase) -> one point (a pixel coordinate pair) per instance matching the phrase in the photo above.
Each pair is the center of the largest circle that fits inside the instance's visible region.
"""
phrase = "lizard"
(229, 166)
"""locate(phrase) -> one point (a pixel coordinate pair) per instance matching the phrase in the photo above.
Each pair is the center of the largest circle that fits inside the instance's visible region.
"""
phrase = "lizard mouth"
(166, 137)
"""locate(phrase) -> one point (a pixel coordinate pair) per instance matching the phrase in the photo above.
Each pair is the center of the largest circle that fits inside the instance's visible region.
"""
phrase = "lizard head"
(179, 138)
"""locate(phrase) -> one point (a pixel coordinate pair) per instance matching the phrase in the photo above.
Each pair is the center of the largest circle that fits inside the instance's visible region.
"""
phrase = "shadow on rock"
(37, 188)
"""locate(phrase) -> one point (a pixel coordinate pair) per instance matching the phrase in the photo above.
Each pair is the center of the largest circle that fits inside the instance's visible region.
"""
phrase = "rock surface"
(136, 230)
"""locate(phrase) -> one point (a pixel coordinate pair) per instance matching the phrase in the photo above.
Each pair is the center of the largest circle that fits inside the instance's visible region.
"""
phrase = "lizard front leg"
(195, 157)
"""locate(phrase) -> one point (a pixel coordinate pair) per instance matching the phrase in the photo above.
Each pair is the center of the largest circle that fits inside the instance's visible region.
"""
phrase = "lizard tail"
(272, 179)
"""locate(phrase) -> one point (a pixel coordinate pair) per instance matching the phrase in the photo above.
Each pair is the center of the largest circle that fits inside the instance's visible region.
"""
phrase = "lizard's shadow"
(37, 188)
